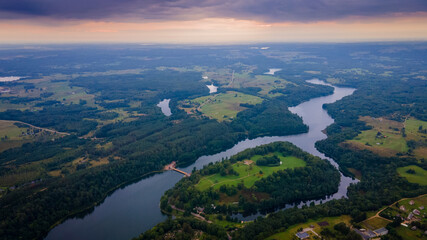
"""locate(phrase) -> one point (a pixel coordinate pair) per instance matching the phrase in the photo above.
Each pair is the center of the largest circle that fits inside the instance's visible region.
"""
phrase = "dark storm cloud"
(266, 10)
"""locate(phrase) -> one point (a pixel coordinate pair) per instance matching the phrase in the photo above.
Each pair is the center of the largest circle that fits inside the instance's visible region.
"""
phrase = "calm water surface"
(9, 79)
(164, 106)
(212, 88)
(271, 71)
(135, 208)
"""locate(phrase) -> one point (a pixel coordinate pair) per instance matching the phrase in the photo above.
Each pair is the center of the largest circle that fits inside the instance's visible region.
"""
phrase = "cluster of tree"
(271, 118)
(295, 94)
(340, 231)
(184, 229)
(268, 161)
(63, 118)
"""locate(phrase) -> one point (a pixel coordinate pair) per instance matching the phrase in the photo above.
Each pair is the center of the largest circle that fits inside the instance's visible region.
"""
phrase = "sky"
(211, 21)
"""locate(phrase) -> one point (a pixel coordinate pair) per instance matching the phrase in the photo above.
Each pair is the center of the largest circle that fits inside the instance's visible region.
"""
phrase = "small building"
(199, 209)
(410, 216)
(381, 231)
(421, 207)
(413, 228)
(411, 202)
(248, 162)
(416, 212)
(402, 207)
(302, 235)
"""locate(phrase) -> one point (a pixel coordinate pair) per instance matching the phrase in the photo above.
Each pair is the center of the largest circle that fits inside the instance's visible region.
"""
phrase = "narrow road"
(44, 129)
(378, 213)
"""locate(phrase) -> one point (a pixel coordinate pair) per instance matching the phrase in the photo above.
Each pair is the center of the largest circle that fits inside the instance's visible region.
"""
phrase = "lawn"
(290, 232)
(390, 141)
(375, 223)
(249, 174)
(408, 234)
(225, 105)
(390, 138)
(419, 177)
(12, 132)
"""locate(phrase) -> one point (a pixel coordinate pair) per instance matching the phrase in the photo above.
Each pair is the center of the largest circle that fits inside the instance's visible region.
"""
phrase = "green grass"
(419, 177)
(290, 232)
(11, 131)
(408, 234)
(375, 223)
(393, 141)
(248, 174)
(412, 125)
(225, 105)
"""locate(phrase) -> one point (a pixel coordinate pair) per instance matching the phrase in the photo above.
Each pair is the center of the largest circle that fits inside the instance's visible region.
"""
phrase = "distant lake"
(271, 71)
(164, 105)
(9, 79)
(212, 88)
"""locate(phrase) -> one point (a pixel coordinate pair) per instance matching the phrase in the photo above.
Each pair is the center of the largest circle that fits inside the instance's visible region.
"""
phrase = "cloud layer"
(158, 10)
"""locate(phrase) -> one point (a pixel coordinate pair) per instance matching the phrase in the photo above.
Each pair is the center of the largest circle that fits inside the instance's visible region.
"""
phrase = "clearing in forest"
(388, 137)
(414, 174)
(222, 106)
(249, 174)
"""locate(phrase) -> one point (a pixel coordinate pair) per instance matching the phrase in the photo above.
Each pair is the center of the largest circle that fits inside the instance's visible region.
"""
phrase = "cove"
(131, 210)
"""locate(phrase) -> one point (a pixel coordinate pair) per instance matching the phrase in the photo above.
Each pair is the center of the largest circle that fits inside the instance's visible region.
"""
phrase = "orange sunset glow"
(205, 27)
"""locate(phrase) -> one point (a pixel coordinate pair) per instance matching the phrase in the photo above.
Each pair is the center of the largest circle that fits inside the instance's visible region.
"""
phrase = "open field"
(224, 105)
(386, 137)
(390, 140)
(408, 234)
(265, 82)
(419, 177)
(249, 174)
(374, 223)
(412, 126)
(14, 135)
(10, 130)
(290, 232)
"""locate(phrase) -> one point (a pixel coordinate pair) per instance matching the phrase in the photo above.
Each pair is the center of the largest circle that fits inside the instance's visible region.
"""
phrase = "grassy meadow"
(249, 174)
(420, 176)
(391, 140)
(224, 106)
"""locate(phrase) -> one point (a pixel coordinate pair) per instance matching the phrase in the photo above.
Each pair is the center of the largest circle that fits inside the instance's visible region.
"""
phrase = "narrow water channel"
(135, 208)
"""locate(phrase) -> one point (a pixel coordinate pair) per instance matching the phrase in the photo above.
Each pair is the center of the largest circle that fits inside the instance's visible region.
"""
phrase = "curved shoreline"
(137, 205)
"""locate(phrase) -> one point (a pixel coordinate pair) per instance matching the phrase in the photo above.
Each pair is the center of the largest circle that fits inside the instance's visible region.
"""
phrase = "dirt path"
(378, 213)
(48, 130)
(198, 216)
(44, 129)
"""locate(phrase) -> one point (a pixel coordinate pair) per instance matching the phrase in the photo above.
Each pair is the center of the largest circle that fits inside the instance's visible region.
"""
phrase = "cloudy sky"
(211, 21)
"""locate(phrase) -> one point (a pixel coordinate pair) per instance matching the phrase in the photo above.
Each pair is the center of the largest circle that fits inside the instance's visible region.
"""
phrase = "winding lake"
(134, 209)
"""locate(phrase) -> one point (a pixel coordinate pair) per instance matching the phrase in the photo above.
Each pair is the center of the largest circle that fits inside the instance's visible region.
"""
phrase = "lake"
(164, 106)
(271, 71)
(212, 88)
(9, 79)
(131, 210)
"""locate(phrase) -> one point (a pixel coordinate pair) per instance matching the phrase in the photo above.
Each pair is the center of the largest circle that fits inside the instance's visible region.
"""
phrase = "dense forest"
(106, 96)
